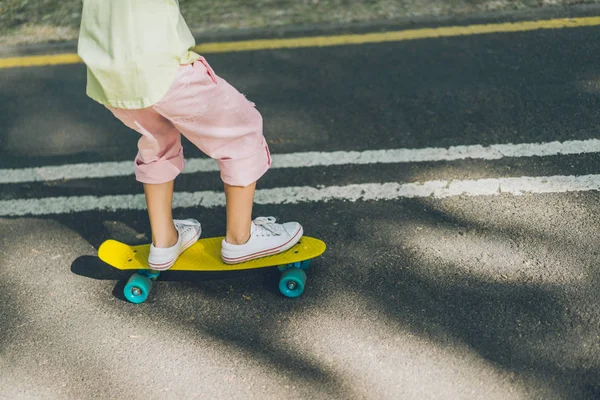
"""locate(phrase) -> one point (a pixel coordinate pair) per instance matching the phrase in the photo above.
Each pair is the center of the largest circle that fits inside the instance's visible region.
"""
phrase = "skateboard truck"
(291, 284)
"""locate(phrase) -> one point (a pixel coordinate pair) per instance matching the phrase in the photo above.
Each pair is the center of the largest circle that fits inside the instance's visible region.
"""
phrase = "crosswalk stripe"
(297, 195)
(313, 159)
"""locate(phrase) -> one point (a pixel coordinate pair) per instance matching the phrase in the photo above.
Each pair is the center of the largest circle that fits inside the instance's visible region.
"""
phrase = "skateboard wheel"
(137, 288)
(292, 282)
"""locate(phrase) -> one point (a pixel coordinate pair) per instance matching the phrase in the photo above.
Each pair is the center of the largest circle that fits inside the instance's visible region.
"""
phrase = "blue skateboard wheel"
(137, 288)
(292, 282)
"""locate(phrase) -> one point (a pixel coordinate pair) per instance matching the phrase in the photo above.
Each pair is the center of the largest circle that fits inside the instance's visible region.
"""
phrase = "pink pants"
(213, 115)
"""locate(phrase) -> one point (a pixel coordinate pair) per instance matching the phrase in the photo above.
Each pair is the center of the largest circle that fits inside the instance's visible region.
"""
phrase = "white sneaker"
(189, 231)
(266, 238)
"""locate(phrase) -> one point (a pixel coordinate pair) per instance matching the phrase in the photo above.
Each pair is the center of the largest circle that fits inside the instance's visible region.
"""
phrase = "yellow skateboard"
(205, 255)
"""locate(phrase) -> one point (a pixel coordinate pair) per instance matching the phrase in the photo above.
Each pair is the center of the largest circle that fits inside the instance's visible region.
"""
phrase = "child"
(140, 66)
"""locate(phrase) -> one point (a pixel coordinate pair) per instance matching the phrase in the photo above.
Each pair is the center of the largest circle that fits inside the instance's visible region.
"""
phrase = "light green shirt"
(133, 49)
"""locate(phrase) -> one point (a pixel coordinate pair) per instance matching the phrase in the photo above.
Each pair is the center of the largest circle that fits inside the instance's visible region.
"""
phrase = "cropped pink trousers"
(212, 115)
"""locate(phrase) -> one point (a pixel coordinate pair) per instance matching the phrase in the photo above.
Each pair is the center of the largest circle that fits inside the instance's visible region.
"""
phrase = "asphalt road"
(460, 297)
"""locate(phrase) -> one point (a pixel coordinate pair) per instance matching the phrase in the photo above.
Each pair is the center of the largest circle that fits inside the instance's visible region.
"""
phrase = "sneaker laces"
(266, 226)
(183, 225)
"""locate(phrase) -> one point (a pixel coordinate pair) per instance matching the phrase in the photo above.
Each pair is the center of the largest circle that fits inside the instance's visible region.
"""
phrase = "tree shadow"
(413, 93)
(524, 327)
(519, 326)
(401, 95)
(94, 268)
(428, 95)
(244, 320)
(330, 175)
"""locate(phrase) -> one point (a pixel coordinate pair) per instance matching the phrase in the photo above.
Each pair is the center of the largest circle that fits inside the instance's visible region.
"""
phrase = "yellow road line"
(33, 61)
(339, 40)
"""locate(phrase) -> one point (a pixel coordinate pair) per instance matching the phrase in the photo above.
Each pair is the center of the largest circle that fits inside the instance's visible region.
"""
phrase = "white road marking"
(296, 195)
(312, 159)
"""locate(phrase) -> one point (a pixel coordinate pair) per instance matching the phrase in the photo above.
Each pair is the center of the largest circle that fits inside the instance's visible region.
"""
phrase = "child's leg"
(159, 161)
(159, 199)
(239, 212)
(224, 125)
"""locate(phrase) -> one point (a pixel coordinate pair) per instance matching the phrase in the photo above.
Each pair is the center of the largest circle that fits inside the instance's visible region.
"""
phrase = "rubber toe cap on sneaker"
(292, 228)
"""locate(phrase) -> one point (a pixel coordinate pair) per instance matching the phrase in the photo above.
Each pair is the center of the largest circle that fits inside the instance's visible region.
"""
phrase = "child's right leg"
(248, 239)
(159, 200)
(239, 202)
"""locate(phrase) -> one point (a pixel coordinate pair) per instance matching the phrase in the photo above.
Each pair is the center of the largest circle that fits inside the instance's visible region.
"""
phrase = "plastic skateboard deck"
(205, 255)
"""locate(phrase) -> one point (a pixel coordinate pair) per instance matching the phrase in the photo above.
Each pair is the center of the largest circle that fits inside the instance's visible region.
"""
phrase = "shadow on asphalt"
(518, 326)
(447, 92)
(94, 268)
(241, 308)
(522, 327)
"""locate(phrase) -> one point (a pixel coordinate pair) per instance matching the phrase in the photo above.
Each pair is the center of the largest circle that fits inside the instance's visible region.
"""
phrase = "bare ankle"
(237, 239)
(166, 240)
